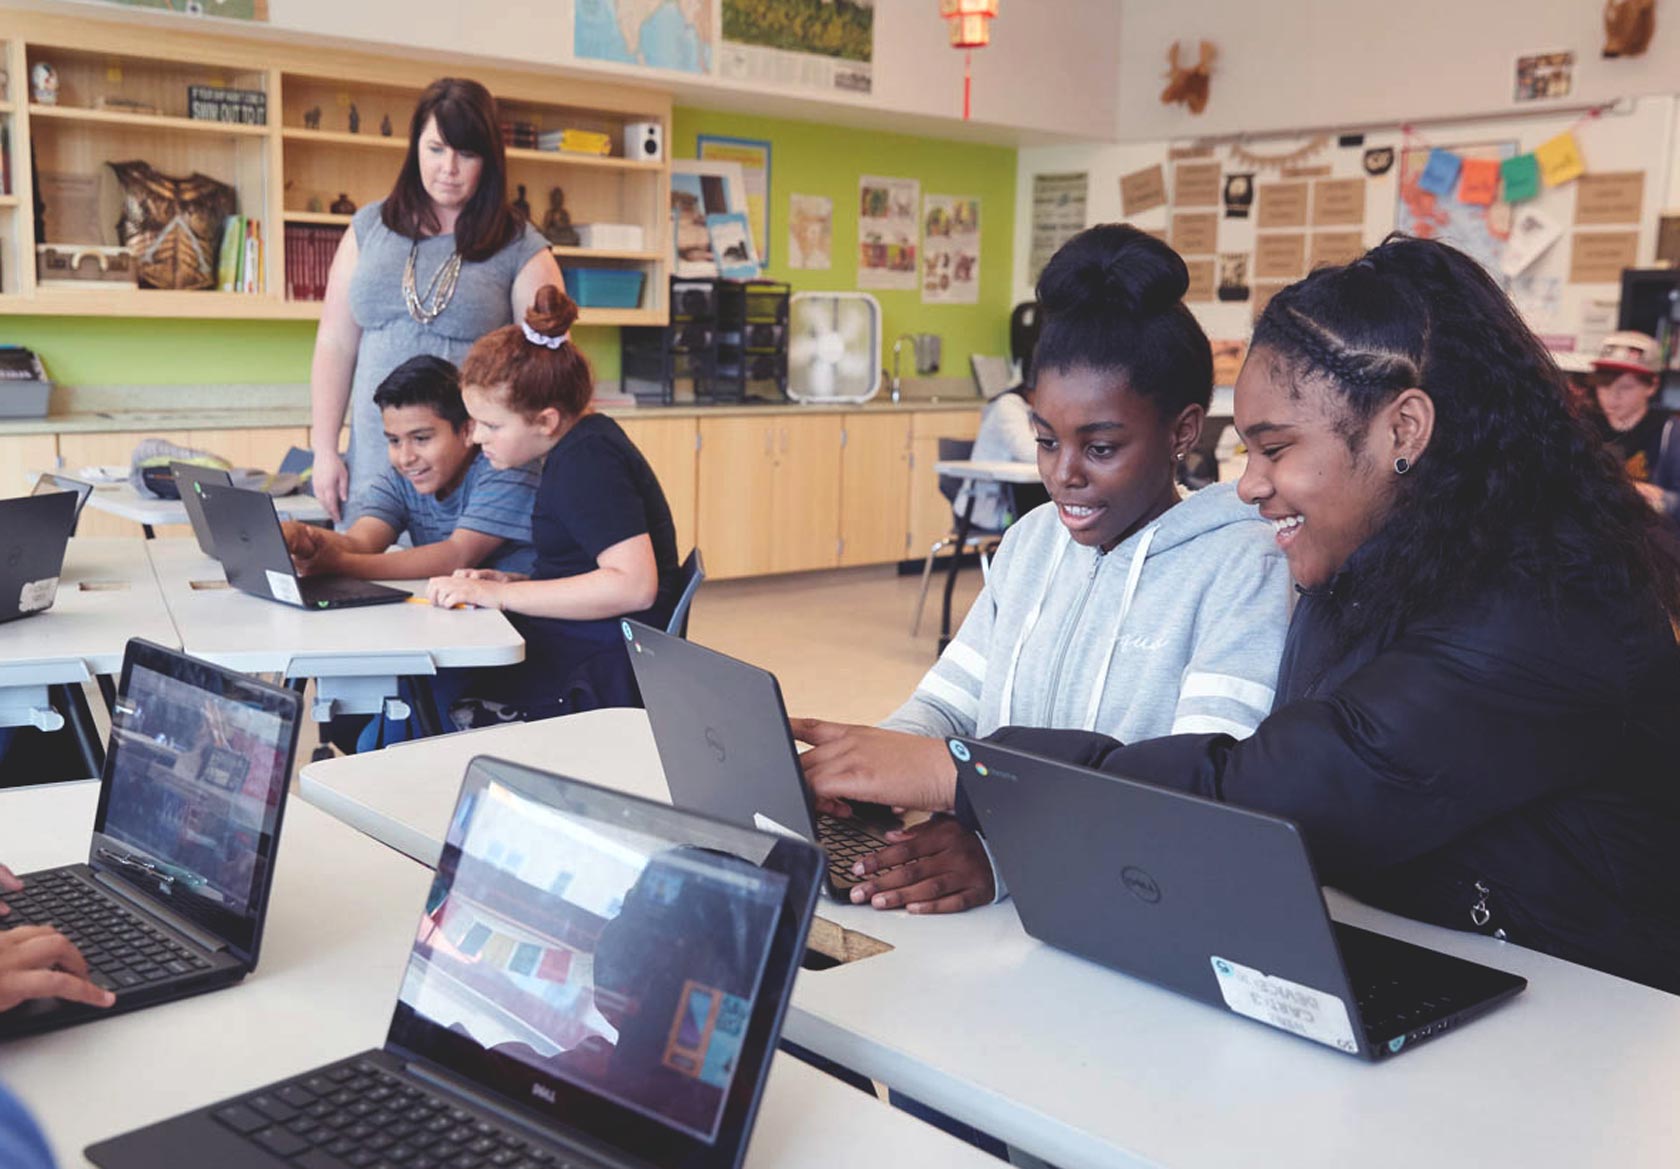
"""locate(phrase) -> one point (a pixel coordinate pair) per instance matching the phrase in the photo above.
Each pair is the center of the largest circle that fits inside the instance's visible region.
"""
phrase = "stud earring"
(1402, 465)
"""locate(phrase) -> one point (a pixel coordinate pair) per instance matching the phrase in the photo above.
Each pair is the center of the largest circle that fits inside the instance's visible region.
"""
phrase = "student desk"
(1086, 1068)
(356, 656)
(971, 472)
(107, 593)
(121, 499)
(340, 923)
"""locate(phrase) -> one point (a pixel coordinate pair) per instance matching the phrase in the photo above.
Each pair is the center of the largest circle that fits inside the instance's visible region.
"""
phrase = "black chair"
(694, 571)
(983, 540)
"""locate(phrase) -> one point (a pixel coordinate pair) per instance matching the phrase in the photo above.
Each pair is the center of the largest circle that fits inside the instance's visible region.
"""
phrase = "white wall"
(1294, 64)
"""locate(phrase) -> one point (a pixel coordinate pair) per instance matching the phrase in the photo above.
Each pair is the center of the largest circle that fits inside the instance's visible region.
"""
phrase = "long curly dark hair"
(1513, 489)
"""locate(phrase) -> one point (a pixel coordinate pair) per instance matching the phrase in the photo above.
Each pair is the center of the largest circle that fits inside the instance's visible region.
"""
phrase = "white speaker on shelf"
(644, 141)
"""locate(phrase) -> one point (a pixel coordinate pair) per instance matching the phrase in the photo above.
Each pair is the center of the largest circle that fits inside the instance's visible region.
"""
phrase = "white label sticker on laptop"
(1286, 1005)
(283, 587)
(765, 824)
(37, 594)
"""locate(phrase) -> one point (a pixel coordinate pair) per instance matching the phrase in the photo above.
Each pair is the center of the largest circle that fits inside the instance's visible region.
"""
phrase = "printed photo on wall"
(1544, 75)
(699, 190)
(888, 231)
(1239, 195)
(950, 250)
(810, 232)
(1233, 276)
(732, 245)
(754, 156)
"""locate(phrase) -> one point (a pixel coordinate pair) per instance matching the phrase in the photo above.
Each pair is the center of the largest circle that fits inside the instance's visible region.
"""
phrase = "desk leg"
(425, 712)
(323, 746)
(79, 722)
(147, 528)
(963, 526)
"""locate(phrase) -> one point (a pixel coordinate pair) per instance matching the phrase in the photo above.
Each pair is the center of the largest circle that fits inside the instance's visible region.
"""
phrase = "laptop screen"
(196, 772)
(49, 484)
(607, 960)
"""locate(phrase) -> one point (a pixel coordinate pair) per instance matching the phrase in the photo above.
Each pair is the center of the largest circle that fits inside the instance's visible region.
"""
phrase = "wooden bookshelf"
(330, 138)
(319, 217)
(146, 121)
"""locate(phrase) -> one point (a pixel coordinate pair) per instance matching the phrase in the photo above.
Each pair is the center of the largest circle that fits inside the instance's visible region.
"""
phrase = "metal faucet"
(898, 347)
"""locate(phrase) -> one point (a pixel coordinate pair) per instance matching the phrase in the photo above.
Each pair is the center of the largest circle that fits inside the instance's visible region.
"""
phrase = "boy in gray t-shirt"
(458, 510)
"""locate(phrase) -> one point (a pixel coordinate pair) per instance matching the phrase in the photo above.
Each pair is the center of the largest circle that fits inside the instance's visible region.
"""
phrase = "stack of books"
(519, 135)
(310, 248)
(239, 266)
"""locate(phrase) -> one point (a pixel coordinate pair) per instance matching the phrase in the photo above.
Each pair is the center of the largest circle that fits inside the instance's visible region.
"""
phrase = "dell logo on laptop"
(1140, 884)
(543, 1092)
(715, 742)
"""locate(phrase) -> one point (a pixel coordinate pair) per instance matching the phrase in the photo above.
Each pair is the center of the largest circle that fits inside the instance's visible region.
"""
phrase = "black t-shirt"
(1637, 449)
(597, 490)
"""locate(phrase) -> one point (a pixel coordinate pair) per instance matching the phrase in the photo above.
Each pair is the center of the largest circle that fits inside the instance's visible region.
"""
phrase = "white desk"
(339, 928)
(355, 655)
(121, 499)
(988, 472)
(1086, 1068)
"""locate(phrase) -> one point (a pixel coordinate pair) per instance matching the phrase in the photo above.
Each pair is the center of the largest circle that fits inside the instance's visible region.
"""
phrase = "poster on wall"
(700, 190)
(887, 232)
(810, 232)
(1543, 75)
(795, 44)
(950, 250)
(753, 155)
(226, 9)
(1478, 231)
(1058, 214)
(655, 34)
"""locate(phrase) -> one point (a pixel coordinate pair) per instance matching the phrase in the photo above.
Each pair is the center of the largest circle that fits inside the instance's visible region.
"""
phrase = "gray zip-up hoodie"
(1178, 629)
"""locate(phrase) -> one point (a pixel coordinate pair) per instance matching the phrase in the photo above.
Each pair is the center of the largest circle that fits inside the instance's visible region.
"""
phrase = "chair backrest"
(953, 450)
(694, 571)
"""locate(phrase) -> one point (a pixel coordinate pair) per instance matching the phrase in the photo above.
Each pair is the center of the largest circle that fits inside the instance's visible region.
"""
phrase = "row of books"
(310, 249)
(239, 264)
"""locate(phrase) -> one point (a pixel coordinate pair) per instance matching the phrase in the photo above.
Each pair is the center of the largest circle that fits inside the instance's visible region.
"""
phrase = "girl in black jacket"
(1478, 700)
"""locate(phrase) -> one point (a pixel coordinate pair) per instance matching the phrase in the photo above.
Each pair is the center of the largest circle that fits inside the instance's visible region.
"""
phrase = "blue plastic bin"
(604, 287)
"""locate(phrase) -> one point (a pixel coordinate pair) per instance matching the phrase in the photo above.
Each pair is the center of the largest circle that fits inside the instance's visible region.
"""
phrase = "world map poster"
(678, 35)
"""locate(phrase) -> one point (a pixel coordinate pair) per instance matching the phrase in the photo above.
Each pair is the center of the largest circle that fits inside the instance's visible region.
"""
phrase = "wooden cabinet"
(930, 512)
(668, 444)
(22, 456)
(874, 488)
(769, 494)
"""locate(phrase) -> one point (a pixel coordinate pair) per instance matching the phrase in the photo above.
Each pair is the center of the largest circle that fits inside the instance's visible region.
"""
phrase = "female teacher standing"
(432, 267)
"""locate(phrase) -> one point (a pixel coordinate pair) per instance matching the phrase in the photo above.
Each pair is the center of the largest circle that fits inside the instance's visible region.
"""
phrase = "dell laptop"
(192, 501)
(595, 981)
(34, 532)
(723, 739)
(50, 483)
(1213, 901)
(172, 898)
(245, 530)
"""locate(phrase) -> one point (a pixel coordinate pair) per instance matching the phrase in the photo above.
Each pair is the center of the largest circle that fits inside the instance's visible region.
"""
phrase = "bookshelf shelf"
(148, 302)
(603, 254)
(316, 217)
(330, 138)
(145, 121)
(9, 200)
(311, 310)
(592, 161)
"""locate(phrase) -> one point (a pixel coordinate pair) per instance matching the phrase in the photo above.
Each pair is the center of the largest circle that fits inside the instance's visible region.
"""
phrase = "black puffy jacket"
(1521, 745)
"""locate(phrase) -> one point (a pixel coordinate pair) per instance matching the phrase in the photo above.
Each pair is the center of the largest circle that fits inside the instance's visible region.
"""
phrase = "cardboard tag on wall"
(1279, 256)
(1201, 280)
(1282, 205)
(1196, 184)
(1598, 257)
(1196, 233)
(1611, 197)
(1142, 190)
(1334, 247)
(1338, 203)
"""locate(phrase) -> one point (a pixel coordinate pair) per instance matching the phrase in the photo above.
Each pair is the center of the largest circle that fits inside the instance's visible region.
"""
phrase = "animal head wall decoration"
(1628, 27)
(1188, 84)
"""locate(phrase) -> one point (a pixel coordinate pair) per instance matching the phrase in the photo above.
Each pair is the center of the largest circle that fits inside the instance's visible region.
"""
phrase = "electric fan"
(834, 347)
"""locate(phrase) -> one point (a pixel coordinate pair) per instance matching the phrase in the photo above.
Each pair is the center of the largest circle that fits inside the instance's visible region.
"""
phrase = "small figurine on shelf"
(312, 118)
(43, 83)
(343, 205)
(557, 224)
(521, 206)
(385, 126)
(355, 119)
(313, 206)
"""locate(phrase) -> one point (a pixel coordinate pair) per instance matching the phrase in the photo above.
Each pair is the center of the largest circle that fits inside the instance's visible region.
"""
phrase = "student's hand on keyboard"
(8, 884)
(851, 762)
(37, 962)
(462, 592)
(312, 553)
(937, 866)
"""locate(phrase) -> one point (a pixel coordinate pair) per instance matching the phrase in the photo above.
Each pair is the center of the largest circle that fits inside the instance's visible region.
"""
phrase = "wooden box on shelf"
(73, 265)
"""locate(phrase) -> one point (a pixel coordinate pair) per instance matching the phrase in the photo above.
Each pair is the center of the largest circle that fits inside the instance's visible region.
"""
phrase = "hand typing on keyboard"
(8, 884)
(937, 866)
(36, 961)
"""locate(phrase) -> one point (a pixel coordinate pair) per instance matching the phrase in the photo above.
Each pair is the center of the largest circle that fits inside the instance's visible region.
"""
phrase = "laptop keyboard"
(360, 1116)
(123, 951)
(845, 843)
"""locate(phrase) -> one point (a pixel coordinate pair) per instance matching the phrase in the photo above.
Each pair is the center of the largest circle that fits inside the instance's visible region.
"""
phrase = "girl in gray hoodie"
(1118, 607)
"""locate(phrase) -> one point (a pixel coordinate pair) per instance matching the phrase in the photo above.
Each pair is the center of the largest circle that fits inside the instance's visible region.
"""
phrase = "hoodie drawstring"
(1133, 575)
(1006, 697)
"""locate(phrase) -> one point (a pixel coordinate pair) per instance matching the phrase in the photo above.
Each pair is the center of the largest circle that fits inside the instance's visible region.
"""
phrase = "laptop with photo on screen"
(722, 733)
(34, 533)
(596, 980)
(172, 898)
(1213, 901)
(248, 540)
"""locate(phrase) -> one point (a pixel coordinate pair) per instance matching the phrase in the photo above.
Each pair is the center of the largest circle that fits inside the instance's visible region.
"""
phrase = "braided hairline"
(1364, 368)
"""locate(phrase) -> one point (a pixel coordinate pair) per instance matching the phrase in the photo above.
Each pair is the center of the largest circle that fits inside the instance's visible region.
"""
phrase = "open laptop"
(187, 475)
(723, 739)
(245, 530)
(1213, 901)
(596, 980)
(172, 898)
(34, 532)
(51, 482)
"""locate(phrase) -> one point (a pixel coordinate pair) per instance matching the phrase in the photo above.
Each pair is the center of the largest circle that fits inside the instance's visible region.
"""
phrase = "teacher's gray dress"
(390, 336)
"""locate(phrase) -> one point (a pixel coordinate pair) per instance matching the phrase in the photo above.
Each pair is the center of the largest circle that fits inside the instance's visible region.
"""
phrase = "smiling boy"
(459, 510)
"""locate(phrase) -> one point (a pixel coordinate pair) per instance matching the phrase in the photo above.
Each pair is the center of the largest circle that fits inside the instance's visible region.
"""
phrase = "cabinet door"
(735, 490)
(805, 505)
(930, 512)
(668, 444)
(22, 459)
(874, 484)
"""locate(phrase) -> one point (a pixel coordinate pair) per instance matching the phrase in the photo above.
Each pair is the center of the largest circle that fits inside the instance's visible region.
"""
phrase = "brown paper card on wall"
(1338, 203)
(1279, 257)
(1598, 257)
(1282, 205)
(1201, 280)
(1196, 233)
(1614, 197)
(1334, 247)
(1305, 172)
(1263, 292)
(1142, 190)
(1177, 152)
(1196, 184)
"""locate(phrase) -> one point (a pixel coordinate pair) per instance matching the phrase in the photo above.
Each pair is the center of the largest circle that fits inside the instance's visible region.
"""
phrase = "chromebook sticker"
(283, 587)
(1286, 1005)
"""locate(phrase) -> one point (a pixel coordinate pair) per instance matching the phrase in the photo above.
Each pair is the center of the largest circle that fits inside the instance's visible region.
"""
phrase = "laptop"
(245, 529)
(172, 898)
(50, 482)
(34, 532)
(723, 739)
(1213, 901)
(596, 980)
(187, 477)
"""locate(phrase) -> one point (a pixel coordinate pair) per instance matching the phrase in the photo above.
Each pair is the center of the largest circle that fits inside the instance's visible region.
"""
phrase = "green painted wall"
(808, 158)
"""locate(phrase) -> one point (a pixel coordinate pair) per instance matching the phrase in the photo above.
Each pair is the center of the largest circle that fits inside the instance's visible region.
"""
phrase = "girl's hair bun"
(1113, 269)
(552, 312)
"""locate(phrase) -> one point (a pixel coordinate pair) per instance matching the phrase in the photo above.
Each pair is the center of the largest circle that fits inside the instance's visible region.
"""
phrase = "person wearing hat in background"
(1642, 436)
(1578, 380)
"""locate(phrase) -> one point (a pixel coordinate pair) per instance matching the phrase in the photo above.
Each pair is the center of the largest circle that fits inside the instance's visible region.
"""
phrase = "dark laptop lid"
(615, 968)
(246, 532)
(193, 790)
(722, 733)
(50, 482)
(187, 477)
(1213, 901)
(34, 532)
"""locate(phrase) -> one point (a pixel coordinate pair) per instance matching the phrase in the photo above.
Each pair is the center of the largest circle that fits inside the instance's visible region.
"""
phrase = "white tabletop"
(249, 633)
(338, 933)
(1084, 1067)
(107, 593)
(988, 471)
(121, 499)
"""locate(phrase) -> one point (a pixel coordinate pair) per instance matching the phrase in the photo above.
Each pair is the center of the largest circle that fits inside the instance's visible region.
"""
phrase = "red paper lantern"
(971, 28)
